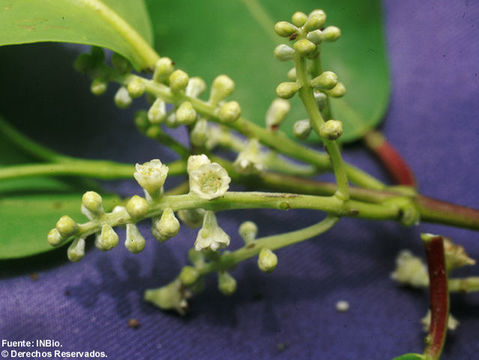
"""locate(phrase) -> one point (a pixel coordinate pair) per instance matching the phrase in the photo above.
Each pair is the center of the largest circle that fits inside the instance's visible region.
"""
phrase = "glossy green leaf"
(210, 37)
(105, 23)
(30, 207)
(410, 357)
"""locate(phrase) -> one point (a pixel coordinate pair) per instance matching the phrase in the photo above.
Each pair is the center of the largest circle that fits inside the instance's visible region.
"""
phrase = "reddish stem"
(390, 158)
(438, 294)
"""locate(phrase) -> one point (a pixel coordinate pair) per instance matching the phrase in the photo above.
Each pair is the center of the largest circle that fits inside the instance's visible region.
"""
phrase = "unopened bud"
(292, 74)
(134, 242)
(299, 18)
(141, 120)
(283, 52)
(166, 226)
(66, 226)
(277, 112)
(189, 275)
(304, 47)
(286, 90)
(54, 237)
(157, 112)
(186, 114)
(92, 204)
(331, 33)
(302, 129)
(315, 36)
(199, 134)
(221, 88)
(192, 218)
(107, 239)
(121, 64)
(229, 112)
(316, 20)
(171, 120)
(98, 87)
(179, 80)
(226, 283)
(248, 231)
(321, 99)
(338, 91)
(331, 129)
(284, 28)
(137, 207)
(326, 81)
(163, 68)
(76, 250)
(195, 87)
(136, 88)
(267, 260)
(122, 98)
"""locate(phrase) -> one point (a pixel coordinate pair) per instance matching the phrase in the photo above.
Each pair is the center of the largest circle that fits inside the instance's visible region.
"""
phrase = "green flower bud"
(226, 283)
(277, 112)
(292, 74)
(121, 64)
(315, 36)
(286, 90)
(137, 207)
(331, 129)
(267, 260)
(321, 99)
(163, 68)
(141, 120)
(98, 87)
(169, 297)
(331, 33)
(66, 226)
(285, 29)
(171, 120)
(179, 80)
(316, 20)
(192, 218)
(186, 114)
(283, 52)
(136, 88)
(299, 18)
(338, 91)
(326, 81)
(54, 238)
(195, 87)
(166, 226)
(157, 112)
(199, 134)
(221, 88)
(107, 239)
(189, 275)
(122, 98)
(92, 205)
(229, 112)
(302, 129)
(134, 242)
(76, 250)
(304, 47)
(248, 231)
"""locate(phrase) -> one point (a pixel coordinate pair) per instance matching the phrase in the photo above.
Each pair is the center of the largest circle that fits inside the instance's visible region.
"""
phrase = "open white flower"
(208, 180)
(211, 236)
(151, 176)
(410, 270)
(249, 160)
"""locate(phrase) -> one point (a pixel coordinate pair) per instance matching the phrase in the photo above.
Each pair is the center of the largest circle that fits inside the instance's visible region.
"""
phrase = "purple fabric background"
(434, 56)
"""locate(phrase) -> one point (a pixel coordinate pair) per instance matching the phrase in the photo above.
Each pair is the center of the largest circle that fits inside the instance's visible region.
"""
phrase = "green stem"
(274, 139)
(316, 119)
(98, 169)
(229, 260)
(464, 285)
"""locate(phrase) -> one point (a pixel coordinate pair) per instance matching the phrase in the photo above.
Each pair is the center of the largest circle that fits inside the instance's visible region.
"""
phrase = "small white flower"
(151, 176)
(195, 161)
(410, 270)
(249, 160)
(211, 236)
(209, 181)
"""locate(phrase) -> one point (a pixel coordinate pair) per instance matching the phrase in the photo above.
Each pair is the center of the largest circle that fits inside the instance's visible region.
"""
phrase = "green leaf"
(410, 357)
(30, 207)
(211, 37)
(120, 25)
